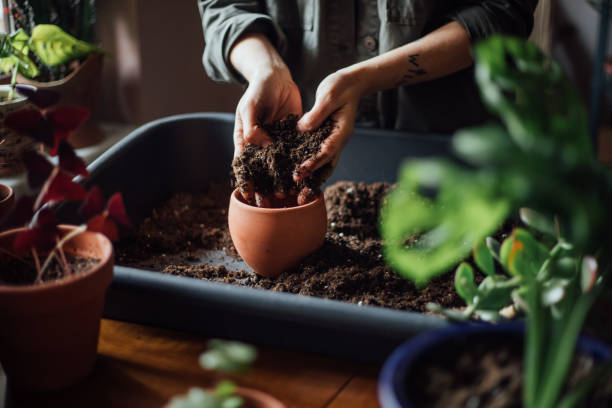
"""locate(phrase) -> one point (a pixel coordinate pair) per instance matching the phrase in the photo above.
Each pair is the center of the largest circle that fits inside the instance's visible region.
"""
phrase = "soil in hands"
(487, 374)
(22, 271)
(270, 169)
(348, 267)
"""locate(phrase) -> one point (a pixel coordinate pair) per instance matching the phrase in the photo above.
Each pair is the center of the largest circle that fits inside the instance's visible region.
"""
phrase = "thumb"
(321, 110)
(253, 133)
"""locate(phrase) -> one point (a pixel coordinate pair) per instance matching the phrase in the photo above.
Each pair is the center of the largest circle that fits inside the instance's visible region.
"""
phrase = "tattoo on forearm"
(414, 71)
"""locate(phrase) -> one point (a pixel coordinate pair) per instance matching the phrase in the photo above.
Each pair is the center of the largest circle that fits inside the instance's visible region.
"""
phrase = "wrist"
(256, 58)
(358, 77)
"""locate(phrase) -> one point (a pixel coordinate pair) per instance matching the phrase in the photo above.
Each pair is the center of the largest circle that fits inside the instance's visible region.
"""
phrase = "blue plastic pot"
(392, 392)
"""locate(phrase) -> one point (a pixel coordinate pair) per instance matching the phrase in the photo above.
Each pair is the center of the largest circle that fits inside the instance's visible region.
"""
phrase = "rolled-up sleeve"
(486, 17)
(224, 22)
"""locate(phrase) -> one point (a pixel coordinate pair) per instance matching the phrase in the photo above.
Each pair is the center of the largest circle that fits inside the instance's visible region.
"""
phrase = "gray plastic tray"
(185, 153)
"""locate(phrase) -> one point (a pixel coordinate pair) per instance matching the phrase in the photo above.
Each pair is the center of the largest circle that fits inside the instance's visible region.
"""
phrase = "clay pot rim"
(19, 98)
(283, 210)
(88, 61)
(6, 193)
(107, 258)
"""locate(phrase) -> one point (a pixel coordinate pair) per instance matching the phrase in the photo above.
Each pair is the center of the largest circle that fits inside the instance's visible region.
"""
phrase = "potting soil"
(348, 267)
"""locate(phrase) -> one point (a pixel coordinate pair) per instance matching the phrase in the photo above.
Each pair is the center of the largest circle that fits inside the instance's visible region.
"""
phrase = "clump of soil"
(270, 169)
(348, 267)
(486, 374)
(15, 271)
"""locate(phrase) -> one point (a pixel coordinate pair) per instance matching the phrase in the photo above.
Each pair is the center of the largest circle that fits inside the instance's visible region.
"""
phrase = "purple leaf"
(38, 167)
(69, 161)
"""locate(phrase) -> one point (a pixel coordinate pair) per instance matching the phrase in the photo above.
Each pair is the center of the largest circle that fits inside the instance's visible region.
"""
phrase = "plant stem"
(11, 94)
(535, 338)
(39, 271)
(61, 243)
(67, 270)
(561, 350)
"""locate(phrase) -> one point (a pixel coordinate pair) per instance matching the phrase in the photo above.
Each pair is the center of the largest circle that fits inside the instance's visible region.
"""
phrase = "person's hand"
(269, 97)
(337, 96)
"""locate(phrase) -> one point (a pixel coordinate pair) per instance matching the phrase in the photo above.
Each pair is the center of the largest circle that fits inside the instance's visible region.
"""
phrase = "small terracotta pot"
(271, 240)
(12, 142)
(49, 332)
(80, 88)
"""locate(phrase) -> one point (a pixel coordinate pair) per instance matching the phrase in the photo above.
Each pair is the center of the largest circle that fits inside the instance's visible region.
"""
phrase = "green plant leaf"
(504, 251)
(488, 144)
(494, 248)
(464, 283)
(553, 291)
(54, 46)
(483, 258)
(228, 356)
(225, 389)
(538, 221)
(492, 295)
(435, 215)
(529, 92)
(526, 255)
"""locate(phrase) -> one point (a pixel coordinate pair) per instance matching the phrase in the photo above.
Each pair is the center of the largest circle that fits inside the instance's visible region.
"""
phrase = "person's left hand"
(337, 96)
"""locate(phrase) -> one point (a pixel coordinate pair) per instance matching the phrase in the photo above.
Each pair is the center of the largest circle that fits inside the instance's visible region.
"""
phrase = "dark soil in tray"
(349, 266)
(23, 272)
(486, 374)
(269, 170)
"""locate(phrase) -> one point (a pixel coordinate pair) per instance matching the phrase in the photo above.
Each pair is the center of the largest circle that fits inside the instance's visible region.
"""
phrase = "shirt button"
(369, 42)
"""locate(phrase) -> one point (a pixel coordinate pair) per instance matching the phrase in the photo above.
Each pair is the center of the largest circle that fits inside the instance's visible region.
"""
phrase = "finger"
(253, 133)
(247, 191)
(238, 135)
(329, 151)
(321, 110)
(306, 195)
(262, 201)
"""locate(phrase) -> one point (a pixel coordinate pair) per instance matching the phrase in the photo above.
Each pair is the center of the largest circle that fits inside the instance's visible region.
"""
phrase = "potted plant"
(35, 52)
(276, 219)
(53, 277)
(539, 157)
(227, 357)
(53, 47)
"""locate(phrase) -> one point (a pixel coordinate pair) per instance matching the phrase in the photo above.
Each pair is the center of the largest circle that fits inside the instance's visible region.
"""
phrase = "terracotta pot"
(49, 332)
(271, 240)
(12, 142)
(80, 88)
(7, 200)
(253, 399)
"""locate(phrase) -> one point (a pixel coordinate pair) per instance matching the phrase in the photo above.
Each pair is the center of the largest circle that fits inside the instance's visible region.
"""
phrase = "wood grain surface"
(141, 366)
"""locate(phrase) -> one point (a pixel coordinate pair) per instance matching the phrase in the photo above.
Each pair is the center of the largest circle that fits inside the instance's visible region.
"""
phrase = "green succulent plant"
(48, 42)
(538, 156)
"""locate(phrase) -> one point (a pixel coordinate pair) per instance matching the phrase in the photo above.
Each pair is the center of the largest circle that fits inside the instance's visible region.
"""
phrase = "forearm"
(254, 56)
(440, 53)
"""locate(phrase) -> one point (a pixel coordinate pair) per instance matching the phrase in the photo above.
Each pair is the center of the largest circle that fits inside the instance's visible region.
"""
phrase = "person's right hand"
(270, 96)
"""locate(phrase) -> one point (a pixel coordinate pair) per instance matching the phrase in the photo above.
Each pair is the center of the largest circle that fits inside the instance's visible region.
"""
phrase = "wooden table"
(141, 366)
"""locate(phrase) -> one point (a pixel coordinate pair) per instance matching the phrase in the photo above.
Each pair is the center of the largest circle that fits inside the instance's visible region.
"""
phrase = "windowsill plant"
(537, 157)
(53, 277)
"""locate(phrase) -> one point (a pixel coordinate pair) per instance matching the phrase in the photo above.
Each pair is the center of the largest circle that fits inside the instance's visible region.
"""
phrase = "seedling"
(540, 157)
(51, 126)
(225, 356)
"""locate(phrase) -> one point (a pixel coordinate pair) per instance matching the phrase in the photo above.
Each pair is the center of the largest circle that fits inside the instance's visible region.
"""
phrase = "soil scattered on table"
(270, 169)
(486, 374)
(15, 271)
(348, 267)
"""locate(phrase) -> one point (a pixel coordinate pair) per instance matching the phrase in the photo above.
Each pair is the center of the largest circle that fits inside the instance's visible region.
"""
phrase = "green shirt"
(318, 37)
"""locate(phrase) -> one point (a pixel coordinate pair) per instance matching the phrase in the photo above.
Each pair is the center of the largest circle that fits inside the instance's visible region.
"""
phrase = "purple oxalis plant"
(51, 125)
